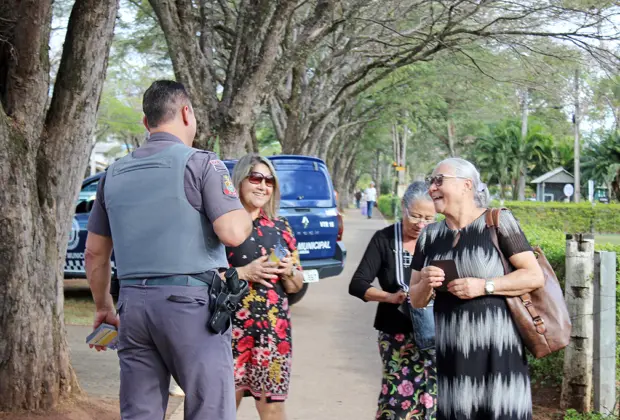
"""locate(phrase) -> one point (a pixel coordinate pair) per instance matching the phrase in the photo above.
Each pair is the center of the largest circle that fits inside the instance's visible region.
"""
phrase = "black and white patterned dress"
(482, 370)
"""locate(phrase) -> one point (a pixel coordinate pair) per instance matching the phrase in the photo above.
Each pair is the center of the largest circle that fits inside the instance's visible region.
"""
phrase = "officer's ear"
(186, 112)
(146, 123)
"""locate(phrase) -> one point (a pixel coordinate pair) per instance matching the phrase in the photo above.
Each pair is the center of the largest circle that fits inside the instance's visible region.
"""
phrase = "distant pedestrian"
(261, 335)
(482, 370)
(167, 209)
(409, 388)
(358, 198)
(371, 198)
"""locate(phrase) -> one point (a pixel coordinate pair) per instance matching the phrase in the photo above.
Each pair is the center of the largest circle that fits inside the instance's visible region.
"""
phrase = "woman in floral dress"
(261, 332)
(409, 386)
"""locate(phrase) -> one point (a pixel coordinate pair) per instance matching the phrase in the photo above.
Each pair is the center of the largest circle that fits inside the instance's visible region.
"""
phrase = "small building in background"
(552, 185)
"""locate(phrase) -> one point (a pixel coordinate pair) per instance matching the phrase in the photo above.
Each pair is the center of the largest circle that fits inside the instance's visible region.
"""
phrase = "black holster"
(225, 298)
(115, 286)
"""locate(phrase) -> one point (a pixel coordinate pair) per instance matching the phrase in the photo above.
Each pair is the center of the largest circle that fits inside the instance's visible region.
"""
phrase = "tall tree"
(44, 146)
(231, 55)
(376, 41)
(234, 55)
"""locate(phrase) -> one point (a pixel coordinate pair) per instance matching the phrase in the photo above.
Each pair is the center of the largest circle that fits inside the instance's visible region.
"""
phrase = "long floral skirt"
(409, 387)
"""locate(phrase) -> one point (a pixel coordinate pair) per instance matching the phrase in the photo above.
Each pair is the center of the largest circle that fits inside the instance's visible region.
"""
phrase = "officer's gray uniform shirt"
(204, 185)
(163, 328)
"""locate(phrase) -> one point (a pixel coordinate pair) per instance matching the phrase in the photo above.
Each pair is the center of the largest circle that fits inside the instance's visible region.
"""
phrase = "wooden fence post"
(604, 374)
(579, 295)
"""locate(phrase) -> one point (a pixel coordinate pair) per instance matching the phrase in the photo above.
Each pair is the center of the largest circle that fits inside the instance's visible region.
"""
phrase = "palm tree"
(601, 162)
(506, 157)
(491, 155)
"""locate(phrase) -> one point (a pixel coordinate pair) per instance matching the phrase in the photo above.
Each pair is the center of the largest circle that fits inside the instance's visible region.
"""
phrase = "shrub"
(567, 217)
(572, 414)
(386, 204)
(553, 242)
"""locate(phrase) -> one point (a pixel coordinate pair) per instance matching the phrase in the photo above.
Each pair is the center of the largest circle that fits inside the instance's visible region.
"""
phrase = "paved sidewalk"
(336, 371)
(99, 372)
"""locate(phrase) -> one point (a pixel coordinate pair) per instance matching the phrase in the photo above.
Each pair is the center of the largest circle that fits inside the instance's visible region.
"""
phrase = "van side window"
(86, 198)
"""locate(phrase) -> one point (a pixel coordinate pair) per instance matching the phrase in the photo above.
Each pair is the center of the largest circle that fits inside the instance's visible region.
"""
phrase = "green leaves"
(601, 161)
(502, 153)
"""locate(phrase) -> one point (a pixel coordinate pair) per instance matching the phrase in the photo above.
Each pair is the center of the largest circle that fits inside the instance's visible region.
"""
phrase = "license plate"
(311, 276)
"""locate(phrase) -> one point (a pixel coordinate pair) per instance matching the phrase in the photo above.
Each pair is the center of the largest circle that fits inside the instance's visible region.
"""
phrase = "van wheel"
(293, 298)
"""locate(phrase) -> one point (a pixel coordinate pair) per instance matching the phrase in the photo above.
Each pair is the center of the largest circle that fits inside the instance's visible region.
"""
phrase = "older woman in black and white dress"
(482, 371)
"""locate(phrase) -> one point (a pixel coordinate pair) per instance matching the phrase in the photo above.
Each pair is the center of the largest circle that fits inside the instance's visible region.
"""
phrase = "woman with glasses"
(261, 330)
(408, 390)
(482, 371)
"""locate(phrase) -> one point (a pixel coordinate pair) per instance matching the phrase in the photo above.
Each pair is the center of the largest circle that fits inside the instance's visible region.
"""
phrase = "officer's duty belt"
(203, 279)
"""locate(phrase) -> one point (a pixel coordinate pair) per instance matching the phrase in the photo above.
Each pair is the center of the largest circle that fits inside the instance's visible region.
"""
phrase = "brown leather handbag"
(541, 316)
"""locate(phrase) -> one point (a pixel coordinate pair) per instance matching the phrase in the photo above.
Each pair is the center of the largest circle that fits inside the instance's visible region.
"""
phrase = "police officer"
(167, 210)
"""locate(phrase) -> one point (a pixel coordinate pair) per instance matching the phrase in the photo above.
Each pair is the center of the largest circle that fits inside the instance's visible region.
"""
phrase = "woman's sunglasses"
(438, 179)
(257, 178)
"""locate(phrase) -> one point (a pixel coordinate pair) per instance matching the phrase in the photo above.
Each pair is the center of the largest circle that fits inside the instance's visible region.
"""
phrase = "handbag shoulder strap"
(492, 221)
(398, 250)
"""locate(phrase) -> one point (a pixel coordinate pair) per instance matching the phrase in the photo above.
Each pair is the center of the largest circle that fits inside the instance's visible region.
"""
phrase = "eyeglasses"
(438, 179)
(257, 178)
(416, 220)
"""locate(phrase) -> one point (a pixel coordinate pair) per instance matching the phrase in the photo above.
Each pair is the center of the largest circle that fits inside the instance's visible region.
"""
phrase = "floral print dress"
(409, 387)
(261, 330)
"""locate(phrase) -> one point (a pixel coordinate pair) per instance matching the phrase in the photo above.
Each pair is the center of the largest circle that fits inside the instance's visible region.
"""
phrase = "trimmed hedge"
(562, 217)
(567, 217)
(386, 204)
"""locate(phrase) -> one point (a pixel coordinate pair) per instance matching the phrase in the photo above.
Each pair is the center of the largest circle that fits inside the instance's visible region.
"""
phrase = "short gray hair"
(416, 191)
(466, 169)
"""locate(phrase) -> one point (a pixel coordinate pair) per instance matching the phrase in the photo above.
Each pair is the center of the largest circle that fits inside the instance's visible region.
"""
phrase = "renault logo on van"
(305, 222)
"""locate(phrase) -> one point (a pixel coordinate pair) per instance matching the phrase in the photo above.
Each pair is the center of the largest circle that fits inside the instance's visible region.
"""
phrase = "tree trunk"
(515, 182)
(228, 92)
(292, 134)
(577, 145)
(379, 169)
(403, 153)
(233, 140)
(253, 146)
(615, 186)
(523, 169)
(451, 138)
(44, 154)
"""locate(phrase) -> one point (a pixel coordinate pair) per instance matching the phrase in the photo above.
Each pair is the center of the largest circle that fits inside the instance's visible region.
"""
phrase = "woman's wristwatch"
(489, 286)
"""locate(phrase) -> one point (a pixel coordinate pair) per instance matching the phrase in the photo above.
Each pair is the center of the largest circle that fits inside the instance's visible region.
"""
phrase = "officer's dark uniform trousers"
(159, 336)
(164, 316)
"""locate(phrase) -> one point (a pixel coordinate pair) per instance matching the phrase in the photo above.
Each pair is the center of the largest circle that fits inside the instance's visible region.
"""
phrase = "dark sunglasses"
(257, 178)
(438, 179)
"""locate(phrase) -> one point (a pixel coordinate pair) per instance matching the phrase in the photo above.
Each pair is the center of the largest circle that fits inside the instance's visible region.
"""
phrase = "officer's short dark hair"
(162, 100)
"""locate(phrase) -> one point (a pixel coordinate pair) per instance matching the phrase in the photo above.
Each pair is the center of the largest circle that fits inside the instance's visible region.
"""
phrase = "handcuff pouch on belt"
(225, 298)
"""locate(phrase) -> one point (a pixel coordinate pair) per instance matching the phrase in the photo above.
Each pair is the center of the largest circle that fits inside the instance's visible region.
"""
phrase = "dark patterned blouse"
(261, 334)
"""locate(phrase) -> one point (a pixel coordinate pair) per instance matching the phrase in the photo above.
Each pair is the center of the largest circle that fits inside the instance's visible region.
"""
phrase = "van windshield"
(303, 185)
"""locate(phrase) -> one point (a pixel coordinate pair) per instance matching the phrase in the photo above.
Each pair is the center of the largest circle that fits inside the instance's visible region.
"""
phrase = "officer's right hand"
(260, 271)
(107, 316)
